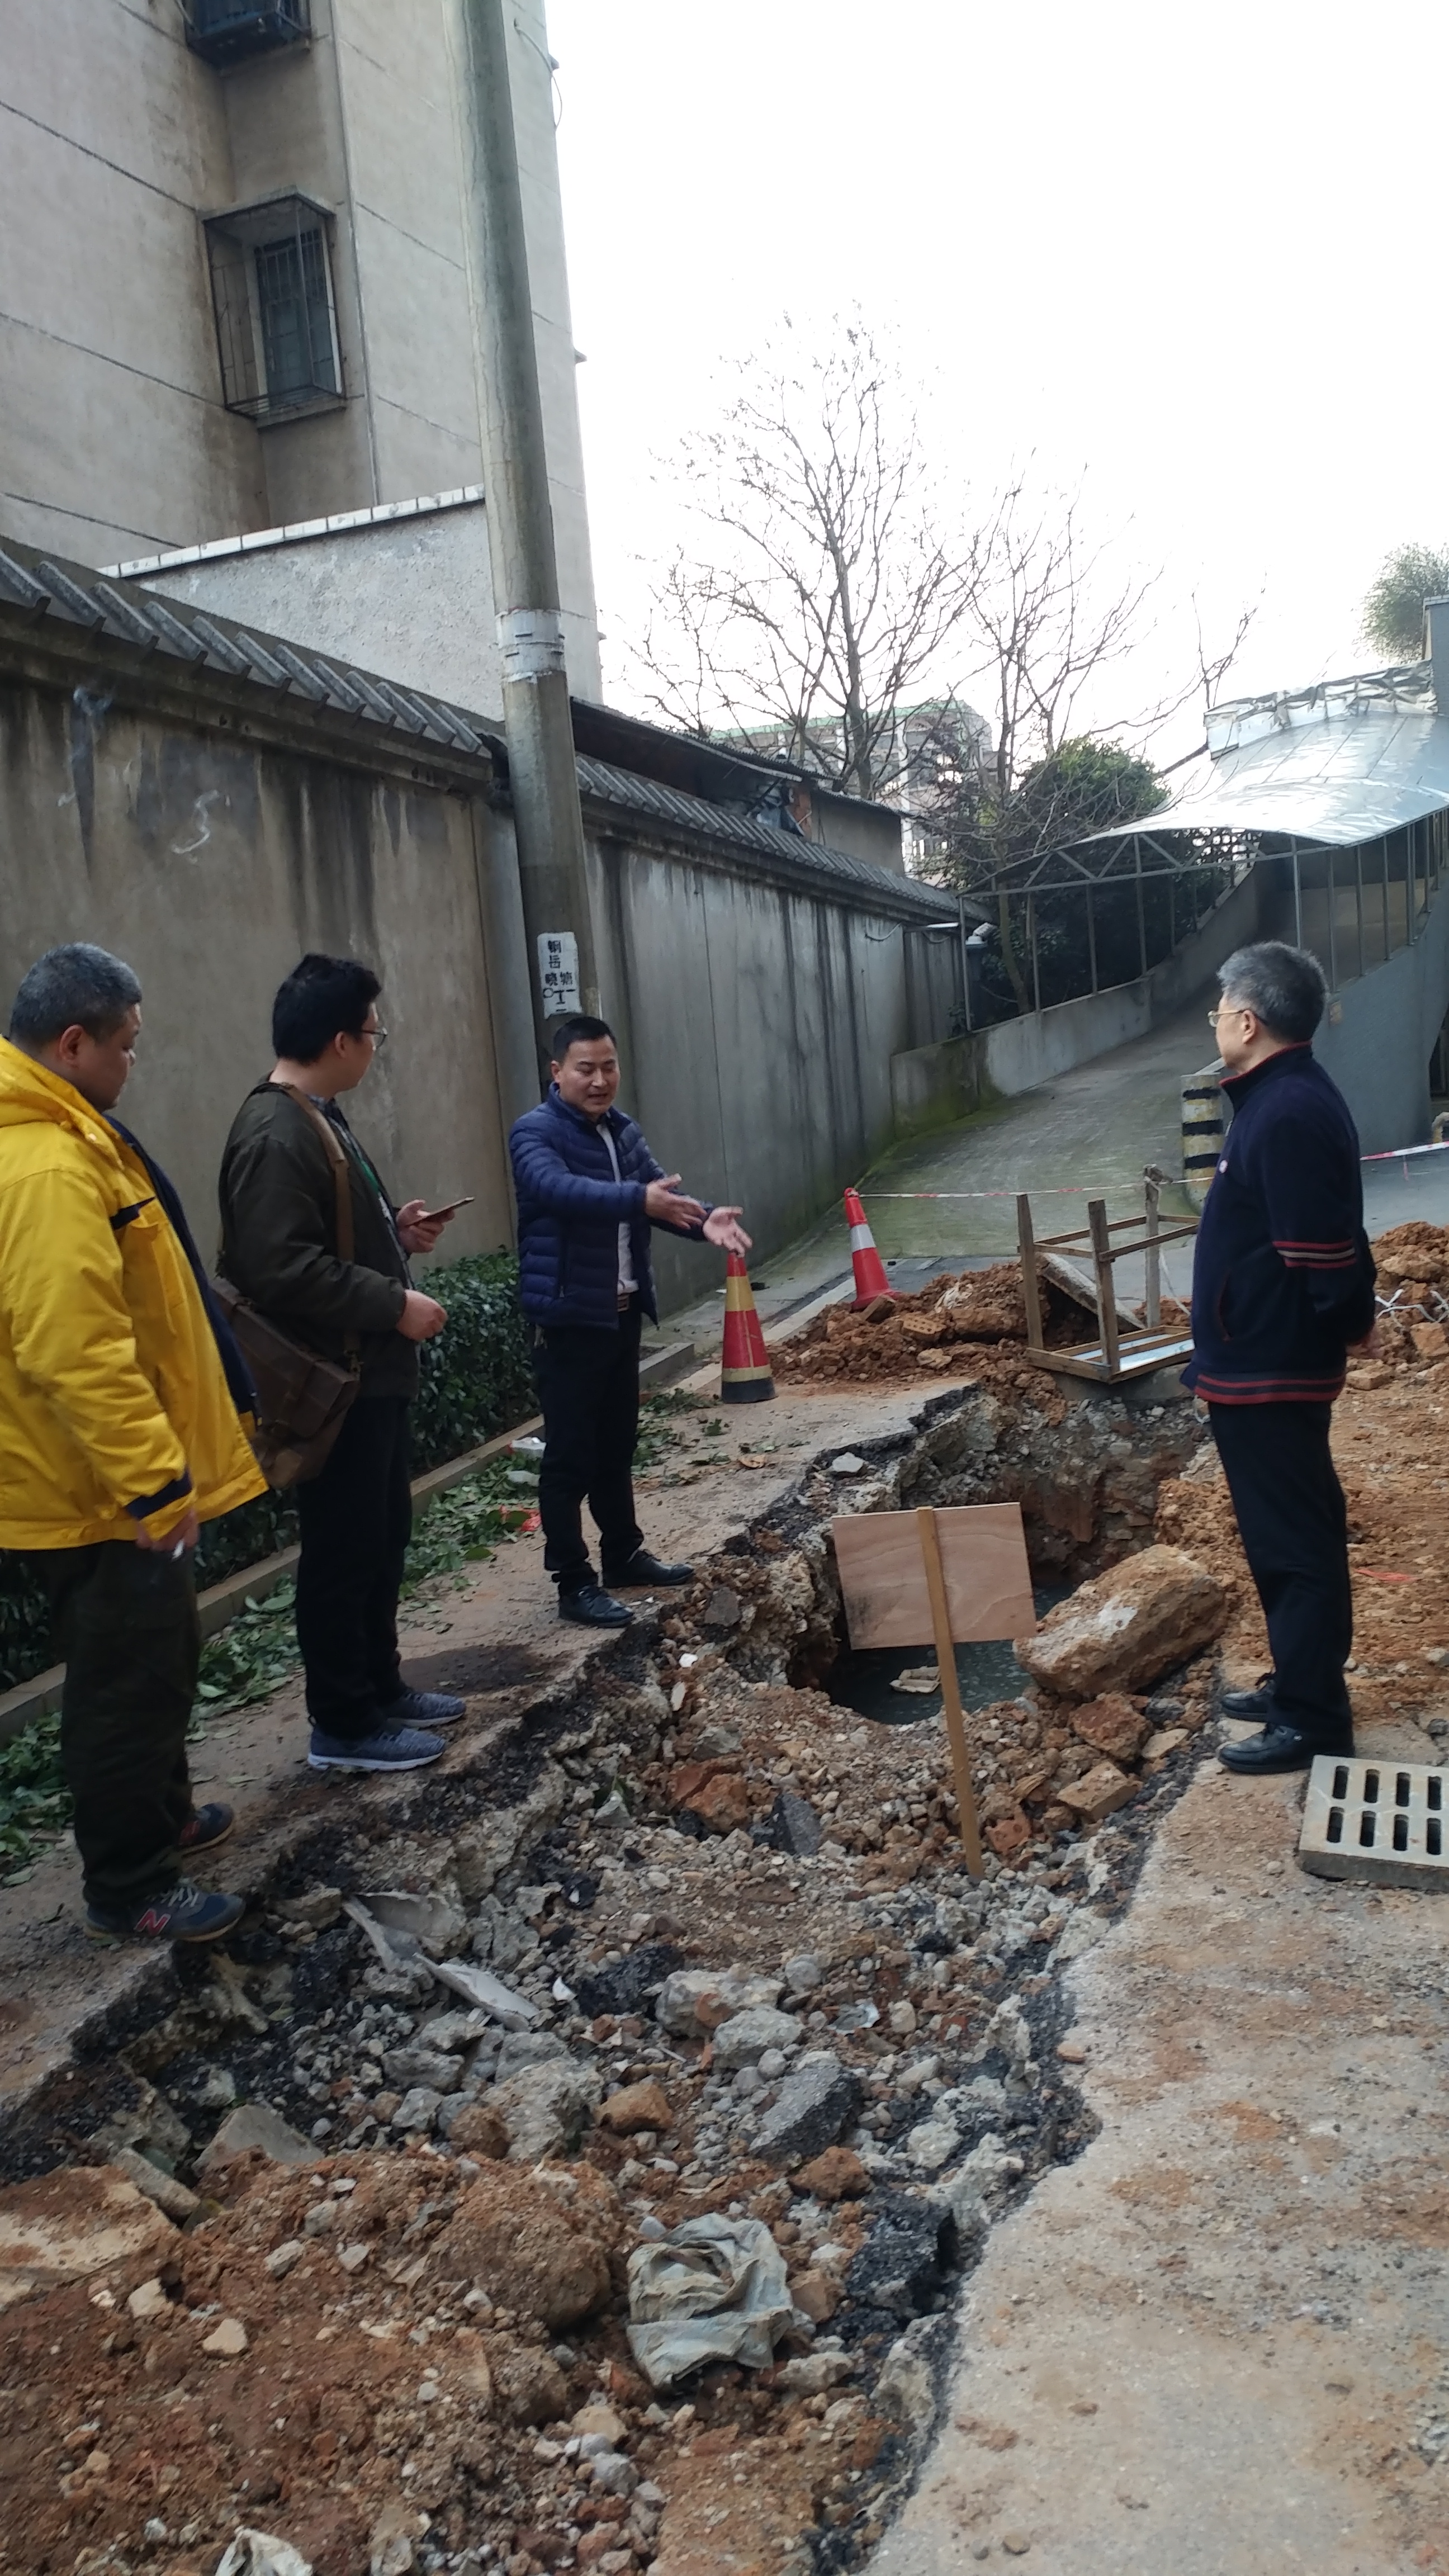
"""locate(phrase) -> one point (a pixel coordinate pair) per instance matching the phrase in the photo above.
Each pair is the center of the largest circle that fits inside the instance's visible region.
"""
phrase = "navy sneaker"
(205, 1827)
(179, 1913)
(424, 1708)
(401, 1748)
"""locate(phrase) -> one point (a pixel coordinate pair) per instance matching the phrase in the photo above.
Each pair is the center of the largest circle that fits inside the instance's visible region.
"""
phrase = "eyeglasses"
(1229, 1010)
(378, 1036)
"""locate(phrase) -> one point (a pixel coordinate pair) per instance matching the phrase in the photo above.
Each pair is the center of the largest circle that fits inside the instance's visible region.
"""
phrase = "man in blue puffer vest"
(588, 1192)
(1282, 1289)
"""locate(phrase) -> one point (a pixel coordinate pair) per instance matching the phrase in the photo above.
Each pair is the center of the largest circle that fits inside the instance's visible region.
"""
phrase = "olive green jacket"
(279, 1241)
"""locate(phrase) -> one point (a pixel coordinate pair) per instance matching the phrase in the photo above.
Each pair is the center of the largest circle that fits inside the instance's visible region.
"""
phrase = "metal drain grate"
(1385, 1821)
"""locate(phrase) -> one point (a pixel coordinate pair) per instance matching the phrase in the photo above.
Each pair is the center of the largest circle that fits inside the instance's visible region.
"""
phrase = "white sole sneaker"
(408, 1750)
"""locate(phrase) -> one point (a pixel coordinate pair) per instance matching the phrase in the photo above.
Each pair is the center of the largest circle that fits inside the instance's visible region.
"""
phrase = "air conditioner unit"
(229, 31)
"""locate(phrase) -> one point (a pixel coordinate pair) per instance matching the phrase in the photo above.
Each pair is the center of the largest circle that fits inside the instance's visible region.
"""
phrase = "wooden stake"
(950, 1687)
(1106, 1285)
(1153, 1310)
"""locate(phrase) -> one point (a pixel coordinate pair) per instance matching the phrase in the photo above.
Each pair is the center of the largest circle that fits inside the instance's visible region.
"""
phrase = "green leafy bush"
(476, 1379)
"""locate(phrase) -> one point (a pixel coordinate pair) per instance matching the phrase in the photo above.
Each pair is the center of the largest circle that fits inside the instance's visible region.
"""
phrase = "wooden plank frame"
(1115, 1355)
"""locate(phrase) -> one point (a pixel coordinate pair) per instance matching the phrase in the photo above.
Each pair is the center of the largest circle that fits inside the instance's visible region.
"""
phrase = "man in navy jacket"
(588, 1192)
(1283, 1288)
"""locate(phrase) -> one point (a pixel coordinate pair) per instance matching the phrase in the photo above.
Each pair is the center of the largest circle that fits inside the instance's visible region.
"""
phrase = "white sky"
(1194, 252)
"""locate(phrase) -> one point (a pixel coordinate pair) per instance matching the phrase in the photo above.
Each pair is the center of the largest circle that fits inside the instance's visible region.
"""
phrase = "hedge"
(476, 1379)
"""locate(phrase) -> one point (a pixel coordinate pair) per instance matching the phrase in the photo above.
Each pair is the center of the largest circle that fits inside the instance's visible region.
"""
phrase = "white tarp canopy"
(1339, 764)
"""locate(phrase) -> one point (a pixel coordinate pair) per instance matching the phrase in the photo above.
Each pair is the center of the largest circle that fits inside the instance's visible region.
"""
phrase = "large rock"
(695, 2001)
(637, 2106)
(73, 2222)
(626, 1986)
(1098, 1793)
(819, 2099)
(904, 2262)
(252, 2124)
(405, 2067)
(744, 2038)
(547, 2109)
(1112, 1726)
(538, 2244)
(1120, 1631)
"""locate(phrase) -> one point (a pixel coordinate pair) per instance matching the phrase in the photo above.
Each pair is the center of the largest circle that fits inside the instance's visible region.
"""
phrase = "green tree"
(1080, 787)
(1393, 612)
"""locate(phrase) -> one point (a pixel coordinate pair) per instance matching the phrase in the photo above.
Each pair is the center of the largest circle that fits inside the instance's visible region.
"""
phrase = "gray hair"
(77, 986)
(1284, 987)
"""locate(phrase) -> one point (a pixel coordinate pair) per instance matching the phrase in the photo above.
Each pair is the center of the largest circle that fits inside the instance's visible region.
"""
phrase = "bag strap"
(342, 1183)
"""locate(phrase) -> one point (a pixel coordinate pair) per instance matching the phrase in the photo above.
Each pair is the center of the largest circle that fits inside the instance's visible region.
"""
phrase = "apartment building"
(235, 289)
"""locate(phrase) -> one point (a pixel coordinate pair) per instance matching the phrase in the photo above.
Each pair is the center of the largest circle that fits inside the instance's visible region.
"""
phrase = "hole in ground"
(865, 1681)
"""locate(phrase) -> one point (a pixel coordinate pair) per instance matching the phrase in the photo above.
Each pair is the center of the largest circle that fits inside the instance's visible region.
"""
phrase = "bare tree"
(1046, 616)
(820, 591)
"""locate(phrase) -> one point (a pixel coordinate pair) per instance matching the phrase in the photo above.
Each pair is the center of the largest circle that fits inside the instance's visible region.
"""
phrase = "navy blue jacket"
(570, 1209)
(1283, 1279)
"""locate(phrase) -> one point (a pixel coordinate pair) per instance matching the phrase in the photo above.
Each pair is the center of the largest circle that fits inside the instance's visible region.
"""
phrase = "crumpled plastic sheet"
(712, 2290)
(260, 2553)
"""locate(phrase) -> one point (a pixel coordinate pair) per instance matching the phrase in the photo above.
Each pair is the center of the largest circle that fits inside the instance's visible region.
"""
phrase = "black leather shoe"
(644, 1568)
(1283, 1748)
(1249, 1703)
(590, 1606)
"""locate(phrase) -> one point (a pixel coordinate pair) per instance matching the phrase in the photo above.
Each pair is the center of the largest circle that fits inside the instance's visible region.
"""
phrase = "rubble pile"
(581, 2179)
(1413, 1323)
(978, 1317)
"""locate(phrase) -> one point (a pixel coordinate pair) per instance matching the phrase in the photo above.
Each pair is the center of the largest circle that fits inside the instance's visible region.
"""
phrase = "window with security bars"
(229, 31)
(276, 321)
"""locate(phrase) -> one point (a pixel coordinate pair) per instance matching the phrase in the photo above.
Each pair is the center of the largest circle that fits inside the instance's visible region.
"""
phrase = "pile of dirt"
(1412, 1332)
(976, 1318)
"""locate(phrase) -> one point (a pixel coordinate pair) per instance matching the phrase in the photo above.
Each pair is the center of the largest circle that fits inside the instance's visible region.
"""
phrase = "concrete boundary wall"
(211, 825)
(935, 1084)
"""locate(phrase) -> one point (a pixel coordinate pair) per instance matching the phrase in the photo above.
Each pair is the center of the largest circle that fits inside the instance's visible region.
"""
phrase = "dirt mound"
(1412, 1332)
(974, 1321)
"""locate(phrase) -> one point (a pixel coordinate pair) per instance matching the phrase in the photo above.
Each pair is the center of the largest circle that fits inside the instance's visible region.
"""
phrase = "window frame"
(234, 241)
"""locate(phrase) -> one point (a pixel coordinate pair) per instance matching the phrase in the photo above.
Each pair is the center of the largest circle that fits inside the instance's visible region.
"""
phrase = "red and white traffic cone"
(870, 1279)
(744, 1376)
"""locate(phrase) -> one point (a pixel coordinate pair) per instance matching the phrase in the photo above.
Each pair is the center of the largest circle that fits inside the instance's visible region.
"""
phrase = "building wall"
(211, 865)
(117, 140)
(410, 598)
(756, 1026)
(758, 1017)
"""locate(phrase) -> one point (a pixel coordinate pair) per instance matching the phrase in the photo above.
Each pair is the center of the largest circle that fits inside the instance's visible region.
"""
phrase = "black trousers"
(356, 1520)
(588, 1392)
(125, 1622)
(1294, 1528)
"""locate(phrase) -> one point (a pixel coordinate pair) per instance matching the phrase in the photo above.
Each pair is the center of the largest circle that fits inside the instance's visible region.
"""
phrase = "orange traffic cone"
(744, 1376)
(870, 1279)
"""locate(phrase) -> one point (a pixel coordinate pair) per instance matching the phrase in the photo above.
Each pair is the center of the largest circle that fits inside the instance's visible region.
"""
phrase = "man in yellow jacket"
(119, 1435)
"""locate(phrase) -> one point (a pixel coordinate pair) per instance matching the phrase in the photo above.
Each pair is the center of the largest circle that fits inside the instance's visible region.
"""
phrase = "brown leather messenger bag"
(302, 1399)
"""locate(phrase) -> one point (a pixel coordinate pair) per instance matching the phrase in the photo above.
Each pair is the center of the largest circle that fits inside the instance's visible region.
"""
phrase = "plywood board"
(883, 1575)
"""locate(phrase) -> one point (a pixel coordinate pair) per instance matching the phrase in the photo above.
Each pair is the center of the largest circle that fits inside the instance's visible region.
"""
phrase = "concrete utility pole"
(536, 716)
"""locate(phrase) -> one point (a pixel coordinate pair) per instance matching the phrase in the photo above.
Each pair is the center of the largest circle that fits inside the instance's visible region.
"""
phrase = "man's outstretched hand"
(664, 1205)
(722, 1226)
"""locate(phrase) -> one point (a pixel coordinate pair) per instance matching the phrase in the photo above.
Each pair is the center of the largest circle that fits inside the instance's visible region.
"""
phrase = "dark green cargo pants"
(125, 1622)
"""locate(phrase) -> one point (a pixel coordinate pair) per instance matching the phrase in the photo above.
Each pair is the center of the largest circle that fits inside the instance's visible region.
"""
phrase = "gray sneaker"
(424, 1708)
(402, 1748)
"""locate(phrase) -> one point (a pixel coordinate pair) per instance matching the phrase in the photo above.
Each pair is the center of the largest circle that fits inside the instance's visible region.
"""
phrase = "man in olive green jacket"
(279, 1247)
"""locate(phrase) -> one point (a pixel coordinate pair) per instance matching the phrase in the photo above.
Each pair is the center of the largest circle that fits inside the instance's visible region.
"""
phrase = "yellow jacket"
(112, 1393)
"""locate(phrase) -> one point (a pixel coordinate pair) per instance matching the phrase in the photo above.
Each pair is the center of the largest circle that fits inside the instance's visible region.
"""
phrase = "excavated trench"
(580, 1805)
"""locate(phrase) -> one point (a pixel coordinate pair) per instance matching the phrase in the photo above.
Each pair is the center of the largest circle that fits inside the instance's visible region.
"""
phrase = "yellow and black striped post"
(1202, 1127)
